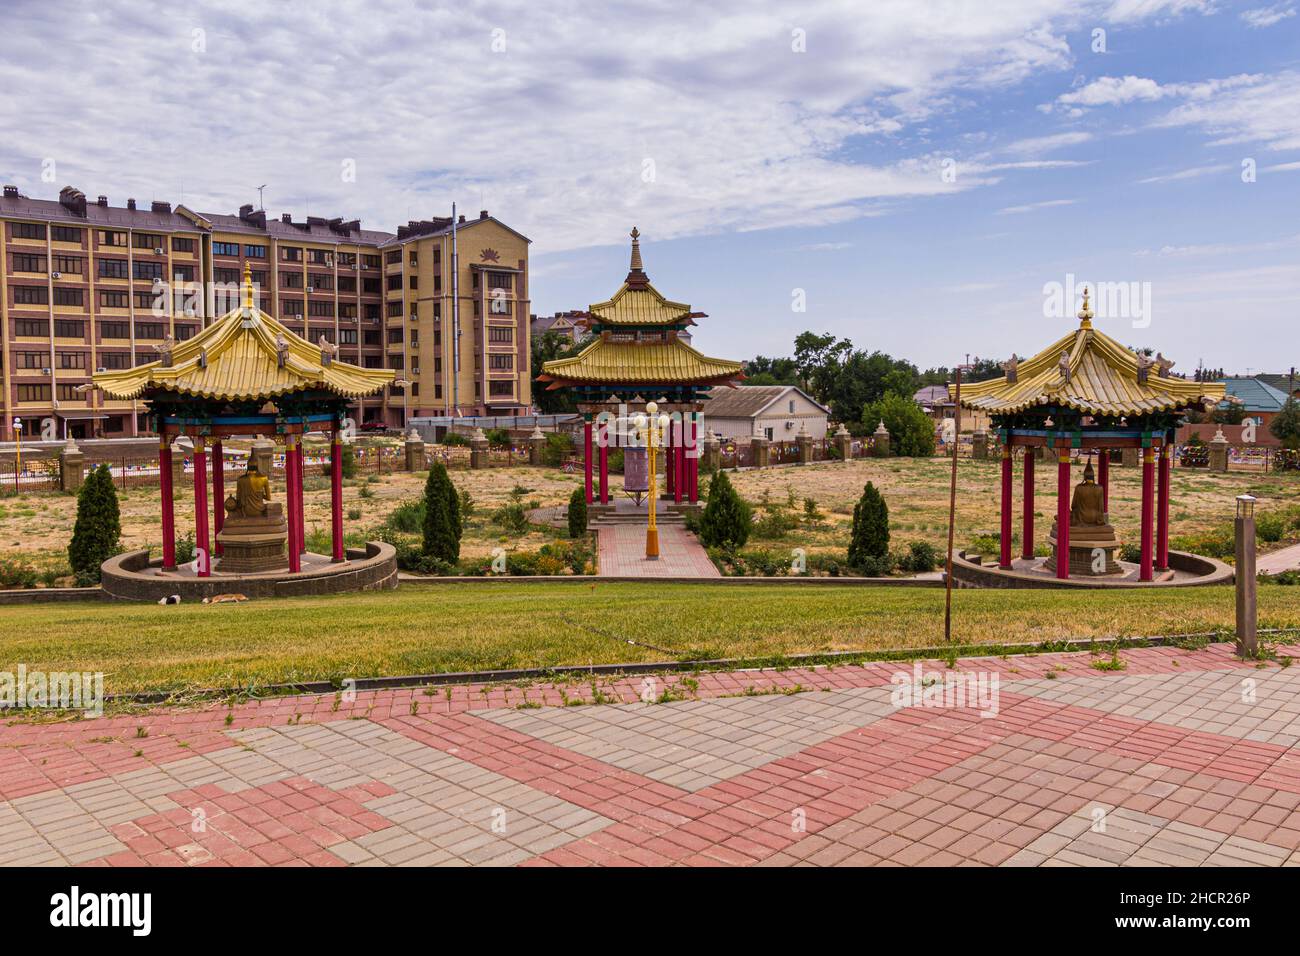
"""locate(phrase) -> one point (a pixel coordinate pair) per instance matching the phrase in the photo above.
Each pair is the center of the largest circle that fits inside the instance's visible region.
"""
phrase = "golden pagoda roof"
(609, 361)
(238, 358)
(1104, 379)
(637, 302)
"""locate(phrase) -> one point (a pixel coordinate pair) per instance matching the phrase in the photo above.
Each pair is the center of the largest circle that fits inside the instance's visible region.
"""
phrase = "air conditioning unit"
(101, 370)
(45, 371)
(56, 275)
(159, 251)
(789, 425)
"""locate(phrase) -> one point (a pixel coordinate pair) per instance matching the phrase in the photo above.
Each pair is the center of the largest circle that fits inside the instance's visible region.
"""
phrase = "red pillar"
(1148, 506)
(302, 495)
(1162, 509)
(1103, 479)
(293, 500)
(679, 461)
(1004, 558)
(1063, 514)
(586, 457)
(202, 547)
(168, 504)
(336, 493)
(218, 495)
(694, 460)
(604, 467)
(1027, 535)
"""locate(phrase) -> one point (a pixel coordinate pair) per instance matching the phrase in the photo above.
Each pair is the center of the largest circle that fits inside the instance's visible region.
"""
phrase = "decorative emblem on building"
(490, 255)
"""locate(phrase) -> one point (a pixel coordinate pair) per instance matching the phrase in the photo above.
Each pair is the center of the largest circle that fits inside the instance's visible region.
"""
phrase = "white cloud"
(1030, 207)
(1265, 112)
(1195, 172)
(1044, 144)
(1261, 17)
(1130, 11)
(1120, 90)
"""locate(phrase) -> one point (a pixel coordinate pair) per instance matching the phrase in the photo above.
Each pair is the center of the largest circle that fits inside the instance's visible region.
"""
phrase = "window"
(370, 262)
(291, 280)
(147, 240)
(31, 295)
(397, 362)
(347, 336)
(225, 276)
(437, 282)
(372, 311)
(69, 329)
(73, 297)
(69, 393)
(373, 361)
(111, 237)
(24, 262)
(65, 234)
(501, 334)
(148, 270)
(225, 248)
(73, 360)
(501, 363)
(394, 310)
(319, 309)
(394, 282)
(324, 283)
(181, 273)
(33, 393)
(371, 286)
(347, 260)
(32, 359)
(181, 244)
(112, 268)
(393, 258)
(437, 255)
(71, 265)
(29, 230)
(255, 252)
(319, 257)
(347, 310)
(415, 282)
(498, 304)
(147, 301)
(115, 359)
(258, 276)
(415, 259)
(500, 280)
(394, 336)
(506, 388)
(184, 332)
(371, 338)
(150, 330)
(291, 253)
(112, 300)
(291, 307)
(347, 283)
(32, 327)
(114, 330)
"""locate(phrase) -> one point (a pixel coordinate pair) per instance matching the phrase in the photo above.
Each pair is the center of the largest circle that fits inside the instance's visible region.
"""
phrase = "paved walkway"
(1284, 559)
(622, 553)
(1183, 758)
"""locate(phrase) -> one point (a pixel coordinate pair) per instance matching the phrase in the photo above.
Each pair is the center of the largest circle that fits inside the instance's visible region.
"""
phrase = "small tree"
(727, 518)
(442, 528)
(98, 527)
(869, 542)
(347, 460)
(911, 432)
(1285, 425)
(577, 513)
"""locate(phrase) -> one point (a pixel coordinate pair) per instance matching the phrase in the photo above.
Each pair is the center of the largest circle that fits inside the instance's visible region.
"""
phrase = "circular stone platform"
(133, 576)
(1185, 570)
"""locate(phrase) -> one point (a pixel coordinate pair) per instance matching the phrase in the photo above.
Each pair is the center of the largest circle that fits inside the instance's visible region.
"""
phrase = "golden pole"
(650, 423)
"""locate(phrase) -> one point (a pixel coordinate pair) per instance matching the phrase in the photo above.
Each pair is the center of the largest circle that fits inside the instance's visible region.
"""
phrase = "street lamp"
(18, 453)
(650, 426)
(1247, 612)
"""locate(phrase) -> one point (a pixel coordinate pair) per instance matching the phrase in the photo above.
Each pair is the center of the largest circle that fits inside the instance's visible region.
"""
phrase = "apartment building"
(87, 286)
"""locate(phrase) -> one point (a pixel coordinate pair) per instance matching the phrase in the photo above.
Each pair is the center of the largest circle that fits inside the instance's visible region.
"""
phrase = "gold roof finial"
(1085, 314)
(248, 288)
(636, 250)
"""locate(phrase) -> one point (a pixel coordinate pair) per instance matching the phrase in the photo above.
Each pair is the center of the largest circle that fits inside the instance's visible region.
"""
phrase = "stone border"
(13, 596)
(970, 574)
(371, 568)
(731, 580)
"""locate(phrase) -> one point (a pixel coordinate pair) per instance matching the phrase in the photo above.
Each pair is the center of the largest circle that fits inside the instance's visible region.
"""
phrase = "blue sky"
(919, 171)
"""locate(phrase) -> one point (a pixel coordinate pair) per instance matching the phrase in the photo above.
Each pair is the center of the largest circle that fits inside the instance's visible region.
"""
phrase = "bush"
(15, 574)
(869, 540)
(442, 527)
(408, 517)
(1270, 527)
(774, 524)
(911, 432)
(1282, 577)
(455, 440)
(875, 567)
(185, 549)
(348, 462)
(727, 518)
(578, 513)
(921, 558)
(498, 437)
(559, 447)
(466, 503)
(98, 527)
(1130, 552)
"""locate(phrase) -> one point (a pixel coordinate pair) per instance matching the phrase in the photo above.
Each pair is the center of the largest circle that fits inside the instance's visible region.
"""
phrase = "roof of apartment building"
(1253, 394)
(566, 320)
(1285, 383)
(750, 401)
(73, 207)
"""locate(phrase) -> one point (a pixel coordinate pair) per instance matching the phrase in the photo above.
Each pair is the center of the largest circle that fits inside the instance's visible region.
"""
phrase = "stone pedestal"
(712, 460)
(1041, 453)
(536, 447)
(761, 451)
(1087, 544)
(1218, 446)
(262, 454)
(1130, 457)
(980, 445)
(72, 467)
(478, 450)
(880, 447)
(254, 545)
(844, 443)
(414, 446)
(804, 441)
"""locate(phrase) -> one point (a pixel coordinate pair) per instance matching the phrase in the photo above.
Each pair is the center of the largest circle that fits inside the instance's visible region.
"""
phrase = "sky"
(923, 178)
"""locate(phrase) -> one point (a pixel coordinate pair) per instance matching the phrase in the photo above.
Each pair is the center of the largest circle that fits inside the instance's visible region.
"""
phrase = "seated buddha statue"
(1088, 507)
(1092, 537)
(252, 494)
(253, 537)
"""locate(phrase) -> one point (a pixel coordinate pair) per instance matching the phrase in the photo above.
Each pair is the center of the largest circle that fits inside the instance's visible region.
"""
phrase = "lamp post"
(18, 453)
(649, 426)
(1247, 612)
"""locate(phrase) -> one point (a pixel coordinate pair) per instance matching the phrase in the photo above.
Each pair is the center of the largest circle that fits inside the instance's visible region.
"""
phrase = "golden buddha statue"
(1093, 541)
(252, 494)
(254, 534)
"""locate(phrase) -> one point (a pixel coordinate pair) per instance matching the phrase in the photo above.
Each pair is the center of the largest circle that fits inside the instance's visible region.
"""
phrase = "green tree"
(578, 513)
(98, 527)
(869, 541)
(442, 526)
(1285, 425)
(727, 518)
(546, 347)
(911, 431)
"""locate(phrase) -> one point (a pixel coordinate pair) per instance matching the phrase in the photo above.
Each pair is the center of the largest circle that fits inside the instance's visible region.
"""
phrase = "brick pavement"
(1184, 758)
(622, 553)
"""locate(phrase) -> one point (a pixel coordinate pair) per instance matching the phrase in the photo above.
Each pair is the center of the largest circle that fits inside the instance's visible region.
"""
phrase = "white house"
(776, 411)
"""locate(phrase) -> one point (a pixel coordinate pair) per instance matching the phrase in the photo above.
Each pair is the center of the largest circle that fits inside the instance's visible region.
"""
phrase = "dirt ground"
(36, 527)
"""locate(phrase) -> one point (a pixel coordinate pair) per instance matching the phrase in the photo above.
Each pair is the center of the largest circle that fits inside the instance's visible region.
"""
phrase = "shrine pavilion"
(640, 355)
(246, 375)
(1086, 391)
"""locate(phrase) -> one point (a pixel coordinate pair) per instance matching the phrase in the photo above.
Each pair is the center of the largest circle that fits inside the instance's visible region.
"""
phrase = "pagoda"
(245, 374)
(639, 355)
(1087, 391)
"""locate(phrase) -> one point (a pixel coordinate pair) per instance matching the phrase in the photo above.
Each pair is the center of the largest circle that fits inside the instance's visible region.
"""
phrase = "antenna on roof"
(260, 206)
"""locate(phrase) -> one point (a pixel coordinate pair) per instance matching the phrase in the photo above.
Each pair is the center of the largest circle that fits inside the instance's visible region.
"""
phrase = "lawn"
(454, 627)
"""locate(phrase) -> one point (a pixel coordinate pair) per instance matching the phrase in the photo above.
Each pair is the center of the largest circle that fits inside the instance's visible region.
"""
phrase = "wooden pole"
(952, 513)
